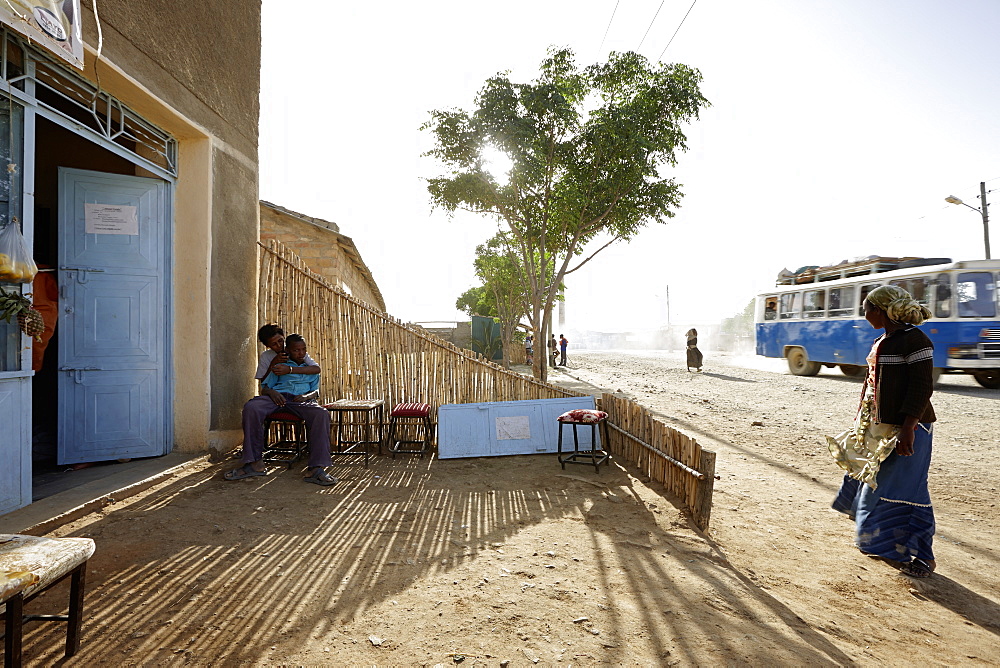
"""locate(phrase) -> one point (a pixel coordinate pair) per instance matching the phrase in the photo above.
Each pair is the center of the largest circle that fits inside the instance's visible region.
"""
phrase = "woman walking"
(888, 453)
(694, 356)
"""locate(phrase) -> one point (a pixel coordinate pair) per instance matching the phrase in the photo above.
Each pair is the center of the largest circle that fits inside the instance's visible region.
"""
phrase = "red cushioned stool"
(416, 416)
(596, 455)
(286, 438)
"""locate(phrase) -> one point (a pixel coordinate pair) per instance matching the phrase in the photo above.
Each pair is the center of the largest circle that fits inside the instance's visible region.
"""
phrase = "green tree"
(499, 267)
(586, 148)
(477, 301)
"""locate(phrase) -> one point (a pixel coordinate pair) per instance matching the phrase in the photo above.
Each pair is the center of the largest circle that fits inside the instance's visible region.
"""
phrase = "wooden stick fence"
(665, 454)
(517, 354)
(367, 354)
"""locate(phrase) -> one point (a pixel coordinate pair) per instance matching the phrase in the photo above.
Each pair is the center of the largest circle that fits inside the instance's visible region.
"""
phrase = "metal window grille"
(76, 99)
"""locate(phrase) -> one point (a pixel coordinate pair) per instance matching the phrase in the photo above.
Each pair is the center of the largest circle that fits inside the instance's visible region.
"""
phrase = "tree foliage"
(586, 146)
(477, 301)
(499, 266)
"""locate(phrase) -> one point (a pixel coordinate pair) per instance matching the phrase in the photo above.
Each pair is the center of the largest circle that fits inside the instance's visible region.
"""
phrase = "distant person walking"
(694, 356)
(529, 350)
(551, 343)
(563, 342)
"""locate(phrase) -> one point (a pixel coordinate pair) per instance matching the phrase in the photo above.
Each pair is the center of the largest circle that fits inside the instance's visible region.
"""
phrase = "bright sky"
(837, 129)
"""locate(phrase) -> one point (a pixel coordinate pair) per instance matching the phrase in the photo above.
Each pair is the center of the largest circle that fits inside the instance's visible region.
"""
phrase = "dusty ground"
(423, 562)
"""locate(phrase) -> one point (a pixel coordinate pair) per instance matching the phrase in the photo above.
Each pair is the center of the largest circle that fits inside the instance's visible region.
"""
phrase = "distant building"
(321, 245)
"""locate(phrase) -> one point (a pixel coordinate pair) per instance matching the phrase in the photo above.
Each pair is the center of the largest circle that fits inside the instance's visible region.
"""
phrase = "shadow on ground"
(204, 571)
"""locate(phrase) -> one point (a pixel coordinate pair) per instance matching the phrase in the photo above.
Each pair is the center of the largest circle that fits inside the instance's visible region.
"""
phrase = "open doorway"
(55, 148)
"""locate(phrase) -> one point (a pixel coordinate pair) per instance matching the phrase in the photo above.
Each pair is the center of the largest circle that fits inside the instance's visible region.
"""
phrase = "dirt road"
(486, 561)
(770, 512)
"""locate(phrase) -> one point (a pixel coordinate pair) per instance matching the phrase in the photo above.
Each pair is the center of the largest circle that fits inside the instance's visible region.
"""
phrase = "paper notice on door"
(111, 219)
(513, 428)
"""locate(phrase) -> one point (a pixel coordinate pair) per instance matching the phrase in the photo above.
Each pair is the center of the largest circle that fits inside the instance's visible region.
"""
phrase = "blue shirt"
(293, 383)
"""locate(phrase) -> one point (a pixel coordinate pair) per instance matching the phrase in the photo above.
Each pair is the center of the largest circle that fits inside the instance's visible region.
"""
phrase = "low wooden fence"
(371, 355)
(665, 454)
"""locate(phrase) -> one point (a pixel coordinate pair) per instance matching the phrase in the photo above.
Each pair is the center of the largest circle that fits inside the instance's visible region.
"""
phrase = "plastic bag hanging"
(16, 263)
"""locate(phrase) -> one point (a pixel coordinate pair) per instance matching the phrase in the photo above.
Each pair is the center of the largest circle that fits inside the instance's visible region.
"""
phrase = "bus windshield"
(976, 298)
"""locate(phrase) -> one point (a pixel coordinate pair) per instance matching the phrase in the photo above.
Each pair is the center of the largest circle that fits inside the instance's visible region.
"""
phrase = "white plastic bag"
(16, 263)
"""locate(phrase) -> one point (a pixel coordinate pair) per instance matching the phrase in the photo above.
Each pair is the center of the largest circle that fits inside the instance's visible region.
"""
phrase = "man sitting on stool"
(294, 393)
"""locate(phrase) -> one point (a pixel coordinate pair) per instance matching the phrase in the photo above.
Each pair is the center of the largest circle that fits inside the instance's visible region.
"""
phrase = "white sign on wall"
(111, 219)
(53, 24)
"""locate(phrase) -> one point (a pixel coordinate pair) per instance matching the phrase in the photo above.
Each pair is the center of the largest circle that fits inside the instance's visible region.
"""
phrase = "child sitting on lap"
(295, 392)
(275, 358)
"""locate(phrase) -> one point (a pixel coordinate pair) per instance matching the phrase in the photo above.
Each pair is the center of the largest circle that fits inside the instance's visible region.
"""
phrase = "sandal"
(245, 471)
(918, 568)
(321, 477)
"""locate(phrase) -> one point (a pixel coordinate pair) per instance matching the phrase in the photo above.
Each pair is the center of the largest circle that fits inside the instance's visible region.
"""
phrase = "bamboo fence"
(374, 355)
(516, 354)
(665, 454)
(371, 355)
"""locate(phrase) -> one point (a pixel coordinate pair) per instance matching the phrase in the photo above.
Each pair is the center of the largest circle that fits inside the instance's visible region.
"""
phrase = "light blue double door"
(113, 327)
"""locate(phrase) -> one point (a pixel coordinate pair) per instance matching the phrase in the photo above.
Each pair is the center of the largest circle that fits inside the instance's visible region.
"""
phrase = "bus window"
(814, 304)
(917, 287)
(942, 296)
(920, 290)
(770, 308)
(865, 289)
(791, 303)
(840, 301)
(975, 295)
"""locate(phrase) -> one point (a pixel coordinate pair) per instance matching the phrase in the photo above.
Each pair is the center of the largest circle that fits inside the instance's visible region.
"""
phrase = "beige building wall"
(192, 67)
(323, 248)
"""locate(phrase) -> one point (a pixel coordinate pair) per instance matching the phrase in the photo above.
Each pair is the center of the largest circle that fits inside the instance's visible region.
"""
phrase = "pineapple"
(31, 323)
(14, 304)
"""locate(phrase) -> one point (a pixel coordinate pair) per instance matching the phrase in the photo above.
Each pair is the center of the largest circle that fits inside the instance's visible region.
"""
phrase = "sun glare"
(498, 164)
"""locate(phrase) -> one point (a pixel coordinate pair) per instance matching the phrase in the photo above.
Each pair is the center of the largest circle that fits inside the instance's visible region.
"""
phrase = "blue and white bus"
(815, 318)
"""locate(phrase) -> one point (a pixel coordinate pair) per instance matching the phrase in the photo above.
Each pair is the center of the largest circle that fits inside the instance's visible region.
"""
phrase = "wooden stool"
(417, 416)
(286, 438)
(28, 566)
(590, 418)
(370, 429)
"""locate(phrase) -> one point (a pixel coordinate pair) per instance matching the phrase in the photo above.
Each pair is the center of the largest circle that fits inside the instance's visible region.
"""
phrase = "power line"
(600, 49)
(676, 31)
(650, 24)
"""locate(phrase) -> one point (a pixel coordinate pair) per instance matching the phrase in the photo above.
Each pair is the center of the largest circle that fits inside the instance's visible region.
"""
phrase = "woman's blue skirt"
(896, 520)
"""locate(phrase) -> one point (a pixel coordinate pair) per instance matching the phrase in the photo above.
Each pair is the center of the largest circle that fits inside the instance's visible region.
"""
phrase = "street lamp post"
(984, 210)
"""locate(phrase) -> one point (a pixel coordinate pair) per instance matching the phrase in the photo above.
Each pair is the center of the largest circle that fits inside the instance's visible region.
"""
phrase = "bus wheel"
(989, 379)
(853, 370)
(800, 365)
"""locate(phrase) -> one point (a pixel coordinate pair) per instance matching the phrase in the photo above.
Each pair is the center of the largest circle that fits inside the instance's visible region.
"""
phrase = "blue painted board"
(499, 428)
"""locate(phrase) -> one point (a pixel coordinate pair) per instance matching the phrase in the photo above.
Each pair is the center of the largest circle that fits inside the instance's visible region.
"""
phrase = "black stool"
(587, 418)
(286, 438)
